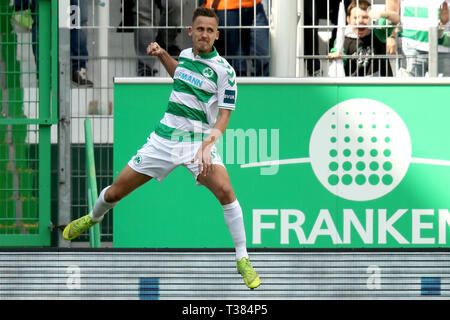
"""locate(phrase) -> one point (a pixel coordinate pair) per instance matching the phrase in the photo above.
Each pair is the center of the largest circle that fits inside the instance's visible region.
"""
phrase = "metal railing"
(27, 115)
(317, 34)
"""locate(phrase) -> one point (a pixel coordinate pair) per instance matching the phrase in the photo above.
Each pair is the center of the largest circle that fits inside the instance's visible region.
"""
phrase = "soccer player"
(203, 96)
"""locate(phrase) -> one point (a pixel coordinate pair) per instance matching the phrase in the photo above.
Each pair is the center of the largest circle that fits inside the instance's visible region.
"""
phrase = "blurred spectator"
(78, 37)
(393, 5)
(78, 43)
(171, 17)
(362, 43)
(234, 43)
(126, 13)
(416, 21)
(328, 10)
(144, 32)
(314, 11)
(444, 36)
(22, 6)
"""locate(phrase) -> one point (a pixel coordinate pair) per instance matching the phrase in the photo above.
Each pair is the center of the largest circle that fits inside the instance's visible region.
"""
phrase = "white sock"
(101, 207)
(235, 222)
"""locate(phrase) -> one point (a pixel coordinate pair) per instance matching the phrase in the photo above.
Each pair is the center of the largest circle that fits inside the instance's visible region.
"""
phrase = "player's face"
(203, 33)
(358, 18)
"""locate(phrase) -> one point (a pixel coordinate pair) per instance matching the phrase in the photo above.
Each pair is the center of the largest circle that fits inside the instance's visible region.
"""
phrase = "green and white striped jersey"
(201, 85)
(417, 17)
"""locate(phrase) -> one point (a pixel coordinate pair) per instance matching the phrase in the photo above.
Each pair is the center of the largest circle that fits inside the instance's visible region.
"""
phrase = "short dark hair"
(362, 4)
(205, 12)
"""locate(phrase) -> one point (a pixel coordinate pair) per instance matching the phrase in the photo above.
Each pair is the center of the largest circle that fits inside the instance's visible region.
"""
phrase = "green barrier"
(6, 181)
(30, 215)
(314, 165)
(4, 152)
(8, 216)
(25, 181)
(94, 232)
(7, 204)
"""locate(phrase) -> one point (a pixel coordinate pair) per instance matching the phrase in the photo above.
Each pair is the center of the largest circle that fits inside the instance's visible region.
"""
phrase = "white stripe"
(188, 100)
(437, 162)
(227, 107)
(422, 46)
(185, 124)
(422, 24)
(276, 162)
(413, 3)
(209, 108)
(431, 161)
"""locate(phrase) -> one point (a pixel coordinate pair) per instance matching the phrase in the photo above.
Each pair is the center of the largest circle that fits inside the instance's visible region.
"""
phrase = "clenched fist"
(154, 49)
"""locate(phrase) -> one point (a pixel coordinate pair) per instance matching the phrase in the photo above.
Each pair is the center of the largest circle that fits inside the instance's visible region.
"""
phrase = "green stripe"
(181, 86)
(181, 110)
(422, 12)
(173, 134)
(417, 35)
(198, 67)
(444, 41)
(409, 12)
(413, 12)
(382, 32)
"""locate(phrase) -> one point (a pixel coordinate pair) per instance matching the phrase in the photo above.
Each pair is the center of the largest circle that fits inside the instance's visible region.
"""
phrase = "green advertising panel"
(314, 165)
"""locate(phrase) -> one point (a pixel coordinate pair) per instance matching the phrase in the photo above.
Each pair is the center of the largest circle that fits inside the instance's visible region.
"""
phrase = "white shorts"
(158, 157)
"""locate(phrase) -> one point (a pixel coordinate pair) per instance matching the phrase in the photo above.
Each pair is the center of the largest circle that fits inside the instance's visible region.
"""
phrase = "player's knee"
(226, 194)
(112, 195)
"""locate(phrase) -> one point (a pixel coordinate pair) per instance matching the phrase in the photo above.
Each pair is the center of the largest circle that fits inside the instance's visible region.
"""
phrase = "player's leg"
(127, 181)
(218, 182)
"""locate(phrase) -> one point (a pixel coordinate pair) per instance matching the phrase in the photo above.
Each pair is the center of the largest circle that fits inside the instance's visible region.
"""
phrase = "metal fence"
(28, 109)
(415, 46)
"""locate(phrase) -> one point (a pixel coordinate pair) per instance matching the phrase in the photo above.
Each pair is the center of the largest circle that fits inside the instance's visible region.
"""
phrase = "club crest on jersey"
(208, 72)
(229, 97)
(137, 159)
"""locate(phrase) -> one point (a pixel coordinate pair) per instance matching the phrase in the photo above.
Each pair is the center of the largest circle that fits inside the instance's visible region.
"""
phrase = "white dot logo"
(360, 149)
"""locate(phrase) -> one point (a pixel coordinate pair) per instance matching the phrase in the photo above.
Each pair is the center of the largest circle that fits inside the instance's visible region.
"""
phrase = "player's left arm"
(203, 155)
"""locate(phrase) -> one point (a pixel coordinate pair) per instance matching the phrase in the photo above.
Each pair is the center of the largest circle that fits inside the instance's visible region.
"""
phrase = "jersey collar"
(210, 55)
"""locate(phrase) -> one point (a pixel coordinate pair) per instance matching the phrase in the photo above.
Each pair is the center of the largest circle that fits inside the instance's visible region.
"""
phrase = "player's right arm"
(169, 63)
